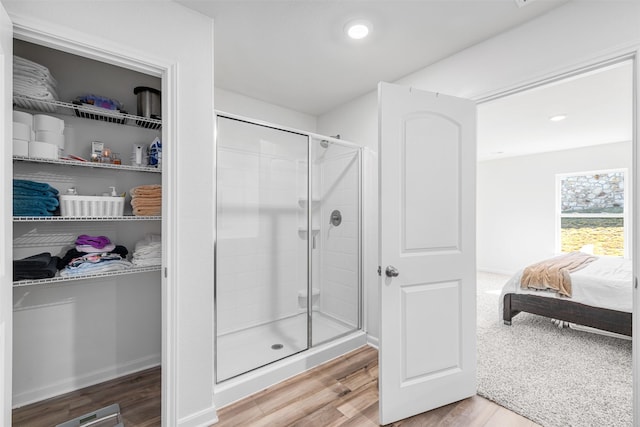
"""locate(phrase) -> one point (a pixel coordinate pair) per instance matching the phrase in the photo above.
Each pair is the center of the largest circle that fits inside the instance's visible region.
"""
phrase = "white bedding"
(606, 282)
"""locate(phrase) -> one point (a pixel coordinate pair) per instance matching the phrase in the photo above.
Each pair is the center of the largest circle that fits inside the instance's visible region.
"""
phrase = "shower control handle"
(391, 271)
(336, 218)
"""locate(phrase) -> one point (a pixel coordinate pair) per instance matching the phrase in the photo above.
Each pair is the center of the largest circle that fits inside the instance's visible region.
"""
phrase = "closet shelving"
(76, 163)
(59, 279)
(45, 106)
(84, 218)
(87, 164)
(50, 106)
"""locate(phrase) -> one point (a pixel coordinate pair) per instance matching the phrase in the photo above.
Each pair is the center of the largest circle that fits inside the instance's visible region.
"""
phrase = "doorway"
(524, 145)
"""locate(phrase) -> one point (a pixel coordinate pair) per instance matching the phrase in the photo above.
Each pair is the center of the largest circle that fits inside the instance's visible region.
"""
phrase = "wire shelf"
(59, 279)
(84, 218)
(82, 110)
(88, 164)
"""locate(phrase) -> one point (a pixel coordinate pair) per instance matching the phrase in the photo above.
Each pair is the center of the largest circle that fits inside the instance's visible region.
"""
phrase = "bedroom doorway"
(575, 124)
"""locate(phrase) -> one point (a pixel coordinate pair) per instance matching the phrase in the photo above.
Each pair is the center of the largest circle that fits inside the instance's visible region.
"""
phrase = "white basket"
(71, 205)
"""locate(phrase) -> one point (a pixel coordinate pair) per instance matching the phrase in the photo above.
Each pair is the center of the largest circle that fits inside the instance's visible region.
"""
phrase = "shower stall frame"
(232, 389)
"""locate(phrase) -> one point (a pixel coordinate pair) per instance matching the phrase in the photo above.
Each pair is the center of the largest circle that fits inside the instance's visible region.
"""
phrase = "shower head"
(324, 143)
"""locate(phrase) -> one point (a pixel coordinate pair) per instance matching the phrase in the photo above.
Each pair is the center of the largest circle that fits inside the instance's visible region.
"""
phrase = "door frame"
(67, 40)
(632, 54)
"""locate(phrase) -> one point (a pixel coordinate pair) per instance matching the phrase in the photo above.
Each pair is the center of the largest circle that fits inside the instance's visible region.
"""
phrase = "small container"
(115, 159)
(137, 155)
(96, 148)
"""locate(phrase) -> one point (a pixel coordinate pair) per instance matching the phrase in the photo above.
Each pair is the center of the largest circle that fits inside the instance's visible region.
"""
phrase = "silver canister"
(149, 102)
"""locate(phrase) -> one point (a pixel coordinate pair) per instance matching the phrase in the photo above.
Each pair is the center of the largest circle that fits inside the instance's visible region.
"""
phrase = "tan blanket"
(138, 202)
(553, 273)
(147, 211)
(153, 190)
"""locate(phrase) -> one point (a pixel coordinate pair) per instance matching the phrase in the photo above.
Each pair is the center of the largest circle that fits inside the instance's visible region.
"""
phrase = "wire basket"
(91, 206)
(87, 111)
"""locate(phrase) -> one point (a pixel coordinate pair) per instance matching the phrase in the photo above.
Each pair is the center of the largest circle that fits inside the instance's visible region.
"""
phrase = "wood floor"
(342, 392)
(137, 394)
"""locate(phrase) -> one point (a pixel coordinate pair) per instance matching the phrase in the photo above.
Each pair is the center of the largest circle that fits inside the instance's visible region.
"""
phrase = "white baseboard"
(85, 380)
(204, 418)
(373, 341)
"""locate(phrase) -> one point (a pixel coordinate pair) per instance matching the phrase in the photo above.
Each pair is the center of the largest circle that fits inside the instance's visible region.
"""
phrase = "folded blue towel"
(33, 185)
(32, 212)
(50, 203)
(31, 208)
(35, 193)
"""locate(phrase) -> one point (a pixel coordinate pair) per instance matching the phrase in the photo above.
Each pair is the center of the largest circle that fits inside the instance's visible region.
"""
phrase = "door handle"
(391, 271)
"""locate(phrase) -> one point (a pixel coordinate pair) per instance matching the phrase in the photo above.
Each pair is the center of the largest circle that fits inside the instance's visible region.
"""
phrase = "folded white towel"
(24, 66)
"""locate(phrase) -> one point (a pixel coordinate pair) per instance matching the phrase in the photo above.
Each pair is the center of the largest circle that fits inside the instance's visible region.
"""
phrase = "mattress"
(606, 282)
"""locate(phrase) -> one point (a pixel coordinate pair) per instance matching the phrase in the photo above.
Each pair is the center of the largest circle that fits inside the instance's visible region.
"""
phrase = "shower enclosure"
(288, 243)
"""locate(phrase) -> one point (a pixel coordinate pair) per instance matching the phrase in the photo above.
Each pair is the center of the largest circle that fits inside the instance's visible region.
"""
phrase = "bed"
(602, 297)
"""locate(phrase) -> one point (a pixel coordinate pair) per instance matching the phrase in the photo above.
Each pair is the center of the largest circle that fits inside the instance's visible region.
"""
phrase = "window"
(592, 213)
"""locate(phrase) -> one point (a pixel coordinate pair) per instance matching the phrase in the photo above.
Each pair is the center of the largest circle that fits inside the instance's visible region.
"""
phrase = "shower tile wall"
(339, 281)
(259, 271)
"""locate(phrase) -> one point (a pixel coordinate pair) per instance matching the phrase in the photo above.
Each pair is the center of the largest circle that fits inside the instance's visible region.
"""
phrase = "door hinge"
(379, 271)
(165, 272)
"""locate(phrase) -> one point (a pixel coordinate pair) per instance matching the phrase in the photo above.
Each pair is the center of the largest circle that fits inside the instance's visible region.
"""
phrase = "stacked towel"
(32, 198)
(40, 266)
(148, 251)
(33, 80)
(97, 260)
(146, 200)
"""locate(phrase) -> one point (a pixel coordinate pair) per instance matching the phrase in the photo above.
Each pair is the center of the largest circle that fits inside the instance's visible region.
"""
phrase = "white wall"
(241, 105)
(124, 29)
(574, 35)
(516, 202)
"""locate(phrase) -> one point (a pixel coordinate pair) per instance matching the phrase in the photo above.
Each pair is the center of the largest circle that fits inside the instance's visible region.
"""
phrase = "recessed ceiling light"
(558, 117)
(358, 29)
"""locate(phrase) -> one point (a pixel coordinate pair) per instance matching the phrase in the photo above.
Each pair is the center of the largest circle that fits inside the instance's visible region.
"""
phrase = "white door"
(6, 207)
(427, 153)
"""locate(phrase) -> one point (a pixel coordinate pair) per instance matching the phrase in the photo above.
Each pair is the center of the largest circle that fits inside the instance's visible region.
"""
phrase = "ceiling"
(294, 54)
(598, 106)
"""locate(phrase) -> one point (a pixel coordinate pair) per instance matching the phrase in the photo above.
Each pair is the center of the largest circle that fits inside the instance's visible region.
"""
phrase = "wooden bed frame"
(568, 311)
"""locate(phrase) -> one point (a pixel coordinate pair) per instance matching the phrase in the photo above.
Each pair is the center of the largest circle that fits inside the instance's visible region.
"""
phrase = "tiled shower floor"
(251, 348)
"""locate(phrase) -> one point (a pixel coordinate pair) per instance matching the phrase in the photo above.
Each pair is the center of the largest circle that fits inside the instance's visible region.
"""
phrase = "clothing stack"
(148, 251)
(34, 81)
(40, 266)
(31, 198)
(93, 255)
(146, 200)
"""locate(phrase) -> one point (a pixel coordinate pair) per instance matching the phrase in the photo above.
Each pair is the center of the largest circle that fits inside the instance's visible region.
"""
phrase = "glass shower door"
(261, 246)
(336, 250)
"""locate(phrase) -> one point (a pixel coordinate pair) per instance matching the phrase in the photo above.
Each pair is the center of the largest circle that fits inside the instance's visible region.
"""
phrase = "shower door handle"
(391, 271)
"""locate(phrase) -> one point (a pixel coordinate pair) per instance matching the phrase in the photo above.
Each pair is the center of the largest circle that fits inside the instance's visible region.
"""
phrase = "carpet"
(555, 377)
